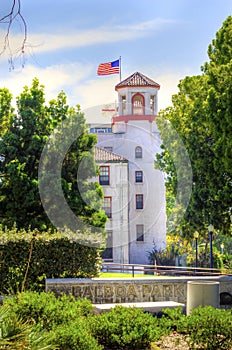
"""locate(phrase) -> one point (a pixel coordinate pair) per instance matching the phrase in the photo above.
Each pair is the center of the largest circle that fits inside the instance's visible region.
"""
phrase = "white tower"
(135, 136)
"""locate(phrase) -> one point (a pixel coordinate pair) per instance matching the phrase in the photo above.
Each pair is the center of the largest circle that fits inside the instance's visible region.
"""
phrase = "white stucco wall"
(131, 130)
(153, 215)
(118, 189)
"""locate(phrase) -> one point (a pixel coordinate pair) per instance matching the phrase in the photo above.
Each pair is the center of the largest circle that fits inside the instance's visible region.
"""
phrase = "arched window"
(152, 104)
(138, 104)
(123, 105)
(138, 152)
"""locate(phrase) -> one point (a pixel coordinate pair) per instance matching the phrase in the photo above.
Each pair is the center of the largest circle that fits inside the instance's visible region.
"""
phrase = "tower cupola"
(137, 100)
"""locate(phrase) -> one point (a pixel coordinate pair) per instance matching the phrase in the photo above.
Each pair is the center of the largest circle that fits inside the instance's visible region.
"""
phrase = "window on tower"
(123, 105)
(108, 252)
(138, 152)
(138, 176)
(104, 177)
(152, 104)
(139, 201)
(100, 130)
(138, 104)
(139, 233)
(107, 206)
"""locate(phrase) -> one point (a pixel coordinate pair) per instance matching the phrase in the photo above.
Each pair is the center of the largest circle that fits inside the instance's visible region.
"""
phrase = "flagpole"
(120, 68)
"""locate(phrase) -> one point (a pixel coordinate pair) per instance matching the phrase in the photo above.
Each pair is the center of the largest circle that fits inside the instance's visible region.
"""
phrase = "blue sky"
(67, 39)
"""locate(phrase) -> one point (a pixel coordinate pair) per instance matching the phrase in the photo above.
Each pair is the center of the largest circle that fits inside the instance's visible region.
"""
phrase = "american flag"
(108, 68)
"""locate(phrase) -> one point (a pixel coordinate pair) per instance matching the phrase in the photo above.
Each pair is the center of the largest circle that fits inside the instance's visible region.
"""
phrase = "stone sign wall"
(100, 290)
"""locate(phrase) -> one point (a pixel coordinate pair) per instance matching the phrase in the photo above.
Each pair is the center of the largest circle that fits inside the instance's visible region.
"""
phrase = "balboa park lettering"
(104, 291)
(121, 291)
(126, 291)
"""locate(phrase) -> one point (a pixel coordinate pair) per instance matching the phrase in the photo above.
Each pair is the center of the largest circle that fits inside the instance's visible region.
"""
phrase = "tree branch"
(9, 18)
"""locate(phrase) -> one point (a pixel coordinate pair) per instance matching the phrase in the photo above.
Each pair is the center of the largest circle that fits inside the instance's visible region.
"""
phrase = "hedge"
(69, 324)
(53, 255)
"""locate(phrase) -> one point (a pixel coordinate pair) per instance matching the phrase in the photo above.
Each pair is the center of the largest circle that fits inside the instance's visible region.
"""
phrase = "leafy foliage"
(210, 328)
(17, 334)
(6, 110)
(21, 146)
(205, 328)
(57, 254)
(63, 319)
(173, 320)
(181, 251)
(201, 116)
(175, 247)
(75, 335)
(65, 323)
(46, 310)
(125, 328)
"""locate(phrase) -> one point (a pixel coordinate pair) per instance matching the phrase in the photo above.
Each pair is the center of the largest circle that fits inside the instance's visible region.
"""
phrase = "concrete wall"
(100, 290)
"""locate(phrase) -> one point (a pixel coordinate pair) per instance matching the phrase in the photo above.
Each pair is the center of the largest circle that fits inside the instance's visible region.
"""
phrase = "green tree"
(6, 110)
(219, 112)
(21, 147)
(201, 116)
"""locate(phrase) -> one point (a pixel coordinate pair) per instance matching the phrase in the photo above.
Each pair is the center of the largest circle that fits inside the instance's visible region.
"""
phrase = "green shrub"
(18, 334)
(124, 328)
(54, 255)
(173, 320)
(75, 335)
(63, 318)
(210, 328)
(46, 310)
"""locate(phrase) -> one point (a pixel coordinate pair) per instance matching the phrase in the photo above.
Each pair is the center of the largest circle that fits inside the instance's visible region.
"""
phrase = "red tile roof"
(102, 155)
(137, 79)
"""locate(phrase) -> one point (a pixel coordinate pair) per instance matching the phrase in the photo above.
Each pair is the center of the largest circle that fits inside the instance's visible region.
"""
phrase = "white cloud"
(75, 80)
(51, 42)
(97, 91)
(102, 90)
(47, 42)
(169, 80)
(168, 87)
(155, 24)
(54, 78)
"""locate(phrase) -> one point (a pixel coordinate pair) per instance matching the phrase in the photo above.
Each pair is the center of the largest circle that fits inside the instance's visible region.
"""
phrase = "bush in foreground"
(210, 328)
(18, 334)
(63, 318)
(47, 311)
(205, 328)
(39, 321)
(73, 325)
(125, 328)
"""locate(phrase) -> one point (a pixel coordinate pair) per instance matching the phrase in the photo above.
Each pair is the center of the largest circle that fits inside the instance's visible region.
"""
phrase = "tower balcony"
(126, 118)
